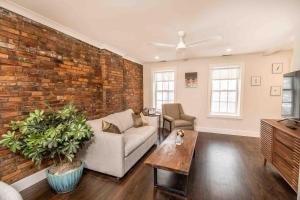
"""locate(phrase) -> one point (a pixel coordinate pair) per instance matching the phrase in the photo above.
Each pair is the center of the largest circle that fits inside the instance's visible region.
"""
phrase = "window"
(287, 97)
(225, 90)
(164, 88)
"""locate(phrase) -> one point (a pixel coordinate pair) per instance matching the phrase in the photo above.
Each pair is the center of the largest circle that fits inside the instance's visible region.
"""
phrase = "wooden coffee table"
(175, 158)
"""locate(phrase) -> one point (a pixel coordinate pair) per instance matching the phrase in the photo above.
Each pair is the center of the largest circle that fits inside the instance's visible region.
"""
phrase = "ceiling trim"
(9, 5)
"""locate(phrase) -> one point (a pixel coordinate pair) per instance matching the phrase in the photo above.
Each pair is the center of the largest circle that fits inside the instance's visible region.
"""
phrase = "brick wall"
(133, 79)
(39, 64)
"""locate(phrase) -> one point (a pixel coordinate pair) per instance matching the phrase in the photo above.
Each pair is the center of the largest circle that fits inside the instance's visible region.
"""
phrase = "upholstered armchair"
(174, 115)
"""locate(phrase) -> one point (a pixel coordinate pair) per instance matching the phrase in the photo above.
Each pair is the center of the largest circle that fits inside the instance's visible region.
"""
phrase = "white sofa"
(115, 154)
(7, 192)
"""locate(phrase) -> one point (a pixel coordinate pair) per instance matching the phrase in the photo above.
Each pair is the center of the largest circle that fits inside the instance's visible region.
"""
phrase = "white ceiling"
(247, 26)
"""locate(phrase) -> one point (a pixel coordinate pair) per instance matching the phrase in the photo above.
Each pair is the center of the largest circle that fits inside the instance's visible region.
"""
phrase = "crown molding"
(9, 5)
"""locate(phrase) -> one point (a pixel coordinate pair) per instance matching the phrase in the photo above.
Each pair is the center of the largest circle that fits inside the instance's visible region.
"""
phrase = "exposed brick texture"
(133, 79)
(39, 64)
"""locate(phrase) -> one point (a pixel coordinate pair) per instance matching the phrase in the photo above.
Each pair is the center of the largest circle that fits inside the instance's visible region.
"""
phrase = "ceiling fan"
(182, 45)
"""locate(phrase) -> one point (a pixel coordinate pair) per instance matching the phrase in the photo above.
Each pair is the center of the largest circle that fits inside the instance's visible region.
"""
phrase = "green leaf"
(56, 135)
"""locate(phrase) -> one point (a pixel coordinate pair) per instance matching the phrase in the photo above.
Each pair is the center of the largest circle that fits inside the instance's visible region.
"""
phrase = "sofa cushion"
(113, 120)
(180, 122)
(96, 125)
(123, 120)
(126, 120)
(134, 137)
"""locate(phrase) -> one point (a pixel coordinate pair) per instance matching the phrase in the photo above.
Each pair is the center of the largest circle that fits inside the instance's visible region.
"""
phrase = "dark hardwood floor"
(225, 168)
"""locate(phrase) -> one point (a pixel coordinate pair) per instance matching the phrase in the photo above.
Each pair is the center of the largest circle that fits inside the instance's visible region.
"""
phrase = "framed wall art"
(191, 79)
(255, 80)
(277, 68)
(275, 91)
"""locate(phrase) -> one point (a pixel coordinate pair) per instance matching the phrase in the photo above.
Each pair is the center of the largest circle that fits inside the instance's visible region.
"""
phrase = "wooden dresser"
(280, 146)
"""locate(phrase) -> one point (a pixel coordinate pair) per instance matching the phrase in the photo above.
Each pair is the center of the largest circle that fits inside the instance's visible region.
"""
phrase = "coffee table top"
(172, 157)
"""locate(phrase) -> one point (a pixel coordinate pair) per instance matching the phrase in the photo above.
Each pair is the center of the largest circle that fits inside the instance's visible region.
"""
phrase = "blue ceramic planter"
(65, 182)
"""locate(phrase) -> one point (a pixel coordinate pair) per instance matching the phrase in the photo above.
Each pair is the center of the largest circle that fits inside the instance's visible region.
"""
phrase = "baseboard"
(29, 180)
(228, 131)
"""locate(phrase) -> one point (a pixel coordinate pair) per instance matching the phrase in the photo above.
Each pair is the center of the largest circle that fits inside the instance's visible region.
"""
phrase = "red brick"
(15, 99)
(36, 93)
(7, 78)
(3, 55)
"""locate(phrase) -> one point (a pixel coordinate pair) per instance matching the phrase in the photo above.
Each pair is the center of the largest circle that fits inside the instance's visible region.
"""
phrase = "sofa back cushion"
(96, 125)
(123, 120)
(113, 120)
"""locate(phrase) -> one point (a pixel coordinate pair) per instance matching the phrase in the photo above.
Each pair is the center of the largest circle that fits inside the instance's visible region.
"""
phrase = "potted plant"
(53, 135)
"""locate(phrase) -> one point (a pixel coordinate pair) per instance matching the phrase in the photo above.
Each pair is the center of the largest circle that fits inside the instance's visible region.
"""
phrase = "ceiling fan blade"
(209, 39)
(163, 45)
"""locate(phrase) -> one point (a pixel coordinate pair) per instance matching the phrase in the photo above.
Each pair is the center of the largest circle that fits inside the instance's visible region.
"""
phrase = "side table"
(155, 115)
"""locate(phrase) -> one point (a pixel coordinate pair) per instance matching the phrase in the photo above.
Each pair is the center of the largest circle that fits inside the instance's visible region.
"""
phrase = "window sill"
(238, 117)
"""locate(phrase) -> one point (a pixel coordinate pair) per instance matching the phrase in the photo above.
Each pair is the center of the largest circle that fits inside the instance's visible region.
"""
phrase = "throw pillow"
(144, 119)
(137, 120)
(110, 128)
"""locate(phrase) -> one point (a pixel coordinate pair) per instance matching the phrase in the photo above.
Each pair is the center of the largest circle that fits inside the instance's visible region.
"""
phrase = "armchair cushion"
(181, 123)
(169, 118)
(187, 117)
(172, 110)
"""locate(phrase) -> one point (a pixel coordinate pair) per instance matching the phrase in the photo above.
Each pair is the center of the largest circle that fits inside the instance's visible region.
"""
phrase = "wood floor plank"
(225, 168)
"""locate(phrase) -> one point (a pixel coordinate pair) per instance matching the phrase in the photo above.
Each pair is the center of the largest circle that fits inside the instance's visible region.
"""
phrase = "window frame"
(154, 85)
(239, 113)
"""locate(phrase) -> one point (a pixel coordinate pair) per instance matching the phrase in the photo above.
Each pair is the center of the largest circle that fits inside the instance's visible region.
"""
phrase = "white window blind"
(287, 97)
(225, 90)
(164, 88)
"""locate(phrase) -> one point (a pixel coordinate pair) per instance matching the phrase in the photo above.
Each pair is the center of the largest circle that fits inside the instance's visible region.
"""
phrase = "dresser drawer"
(283, 167)
(284, 152)
(284, 138)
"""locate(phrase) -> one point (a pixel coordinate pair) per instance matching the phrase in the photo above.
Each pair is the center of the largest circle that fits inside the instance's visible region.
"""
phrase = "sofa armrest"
(105, 153)
(187, 117)
(169, 118)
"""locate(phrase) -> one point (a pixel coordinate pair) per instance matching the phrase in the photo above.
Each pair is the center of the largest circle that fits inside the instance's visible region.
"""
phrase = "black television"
(290, 108)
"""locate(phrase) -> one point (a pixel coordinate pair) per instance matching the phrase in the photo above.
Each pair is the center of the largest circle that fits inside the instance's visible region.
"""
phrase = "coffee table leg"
(183, 192)
(194, 154)
(155, 176)
(186, 185)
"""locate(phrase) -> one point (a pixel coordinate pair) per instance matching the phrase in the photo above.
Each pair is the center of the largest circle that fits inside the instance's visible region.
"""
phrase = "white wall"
(257, 102)
(296, 52)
